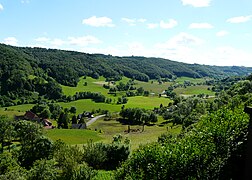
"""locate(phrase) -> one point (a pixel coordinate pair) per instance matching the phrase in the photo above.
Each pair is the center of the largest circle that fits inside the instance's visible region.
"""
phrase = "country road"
(94, 119)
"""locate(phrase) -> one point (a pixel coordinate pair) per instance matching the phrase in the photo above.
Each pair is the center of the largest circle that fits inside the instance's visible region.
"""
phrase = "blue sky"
(214, 32)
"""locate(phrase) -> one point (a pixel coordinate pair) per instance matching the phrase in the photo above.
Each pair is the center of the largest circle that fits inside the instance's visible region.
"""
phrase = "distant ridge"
(67, 66)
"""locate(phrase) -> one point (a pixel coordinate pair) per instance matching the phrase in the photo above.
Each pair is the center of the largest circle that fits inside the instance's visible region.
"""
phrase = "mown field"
(73, 136)
(96, 85)
(194, 90)
(181, 80)
(93, 85)
(103, 131)
(150, 134)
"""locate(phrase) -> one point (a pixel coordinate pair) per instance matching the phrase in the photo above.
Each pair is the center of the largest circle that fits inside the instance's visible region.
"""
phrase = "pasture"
(137, 138)
(153, 86)
(73, 136)
(181, 80)
(93, 85)
(136, 101)
(194, 90)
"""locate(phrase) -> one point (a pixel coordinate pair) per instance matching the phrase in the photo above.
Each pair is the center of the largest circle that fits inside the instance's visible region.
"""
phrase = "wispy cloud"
(98, 22)
(42, 39)
(11, 41)
(1, 7)
(171, 23)
(222, 33)
(239, 19)
(70, 41)
(84, 40)
(152, 25)
(133, 22)
(57, 42)
(200, 26)
(168, 25)
(196, 3)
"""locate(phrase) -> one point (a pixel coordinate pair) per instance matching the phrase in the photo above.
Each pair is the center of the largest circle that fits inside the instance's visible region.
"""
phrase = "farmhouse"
(85, 114)
(31, 116)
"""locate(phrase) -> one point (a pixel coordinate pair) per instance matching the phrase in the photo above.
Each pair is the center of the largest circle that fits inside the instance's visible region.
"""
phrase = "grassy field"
(181, 80)
(96, 85)
(89, 105)
(147, 102)
(136, 101)
(154, 87)
(150, 133)
(194, 90)
(73, 136)
(15, 110)
(93, 85)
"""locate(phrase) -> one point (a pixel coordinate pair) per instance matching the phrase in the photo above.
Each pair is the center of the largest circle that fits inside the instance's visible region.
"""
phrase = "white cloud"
(66, 43)
(132, 22)
(11, 41)
(84, 40)
(239, 19)
(141, 20)
(1, 7)
(136, 49)
(222, 33)
(168, 25)
(152, 25)
(227, 55)
(196, 3)
(184, 39)
(98, 22)
(42, 39)
(200, 26)
(57, 42)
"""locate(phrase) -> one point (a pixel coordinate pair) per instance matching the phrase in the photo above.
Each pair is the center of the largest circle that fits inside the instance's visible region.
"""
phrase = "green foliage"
(200, 153)
(7, 162)
(137, 116)
(69, 159)
(6, 131)
(73, 110)
(43, 170)
(106, 156)
(40, 148)
(185, 111)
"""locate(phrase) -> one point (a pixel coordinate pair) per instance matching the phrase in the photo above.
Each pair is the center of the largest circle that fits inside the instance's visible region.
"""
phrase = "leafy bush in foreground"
(204, 152)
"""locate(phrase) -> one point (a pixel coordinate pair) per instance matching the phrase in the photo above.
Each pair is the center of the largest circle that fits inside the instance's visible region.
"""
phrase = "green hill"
(33, 72)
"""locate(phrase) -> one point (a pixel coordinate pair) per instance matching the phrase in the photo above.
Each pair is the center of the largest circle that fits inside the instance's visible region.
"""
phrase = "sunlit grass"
(181, 80)
(150, 133)
(194, 90)
(73, 136)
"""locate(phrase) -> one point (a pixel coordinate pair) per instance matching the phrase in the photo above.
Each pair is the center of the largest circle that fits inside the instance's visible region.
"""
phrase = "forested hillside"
(31, 72)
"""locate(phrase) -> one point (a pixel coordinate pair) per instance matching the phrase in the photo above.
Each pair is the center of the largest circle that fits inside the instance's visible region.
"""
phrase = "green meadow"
(150, 134)
(181, 80)
(153, 86)
(194, 90)
(73, 136)
(93, 85)
(136, 101)
(103, 131)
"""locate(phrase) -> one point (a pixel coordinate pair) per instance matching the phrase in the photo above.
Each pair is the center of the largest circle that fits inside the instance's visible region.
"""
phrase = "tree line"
(34, 156)
(212, 148)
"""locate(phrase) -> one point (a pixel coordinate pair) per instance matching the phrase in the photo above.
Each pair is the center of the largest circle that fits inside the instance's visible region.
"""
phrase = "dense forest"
(33, 72)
